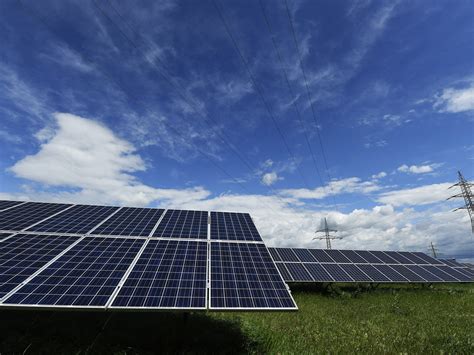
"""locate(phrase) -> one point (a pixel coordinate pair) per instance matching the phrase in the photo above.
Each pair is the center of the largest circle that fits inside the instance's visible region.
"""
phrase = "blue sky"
(186, 104)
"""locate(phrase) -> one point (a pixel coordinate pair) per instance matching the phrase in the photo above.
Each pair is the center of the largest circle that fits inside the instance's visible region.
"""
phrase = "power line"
(257, 88)
(290, 89)
(467, 195)
(308, 93)
(118, 84)
(167, 76)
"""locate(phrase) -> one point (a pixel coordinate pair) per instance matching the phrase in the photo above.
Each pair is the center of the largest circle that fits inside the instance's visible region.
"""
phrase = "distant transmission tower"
(466, 193)
(327, 236)
(433, 250)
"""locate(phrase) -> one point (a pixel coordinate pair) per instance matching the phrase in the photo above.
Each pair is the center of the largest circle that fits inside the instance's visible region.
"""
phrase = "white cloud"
(269, 179)
(335, 187)
(417, 169)
(422, 195)
(455, 100)
(380, 175)
(83, 154)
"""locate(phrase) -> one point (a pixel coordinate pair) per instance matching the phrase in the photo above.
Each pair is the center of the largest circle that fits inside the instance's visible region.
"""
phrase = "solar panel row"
(126, 221)
(318, 265)
(351, 256)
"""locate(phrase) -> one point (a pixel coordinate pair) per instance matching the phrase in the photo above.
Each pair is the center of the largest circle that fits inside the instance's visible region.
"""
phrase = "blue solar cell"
(78, 219)
(353, 256)
(466, 271)
(337, 256)
(390, 273)
(244, 276)
(24, 254)
(168, 274)
(4, 236)
(451, 263)
(384, 257)
(428, 276)
(86, 275)
(321, 256)
(337, 273)
(428, 259)
(274, 253)
(130, 221)
(371, 258)
(318, 273)
(436, 270)
(284, 272)
(233, 226)
(408, 274)
(25, 215)
(298, 272)
(287, 254)
(454, 273)
(412, 257)
(357, 274)
(183, 224)
(399, 257)
(373, 273)
(8, 204)
(304, 255)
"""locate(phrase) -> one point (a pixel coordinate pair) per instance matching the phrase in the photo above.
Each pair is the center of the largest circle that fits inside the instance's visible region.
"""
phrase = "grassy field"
(390, 319)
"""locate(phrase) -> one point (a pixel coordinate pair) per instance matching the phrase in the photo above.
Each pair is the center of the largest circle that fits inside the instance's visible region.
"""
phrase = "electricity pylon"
(327, 234)
(433, 250)
(466, 193)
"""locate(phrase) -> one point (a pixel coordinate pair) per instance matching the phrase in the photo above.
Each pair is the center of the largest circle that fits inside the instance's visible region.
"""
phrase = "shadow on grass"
(48, 332)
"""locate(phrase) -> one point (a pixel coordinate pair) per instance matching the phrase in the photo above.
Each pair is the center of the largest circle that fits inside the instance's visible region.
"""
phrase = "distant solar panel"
(79, 219)
(8, 204)
(24, 254)
(364, 266)
(169, 274)
(233, 226)
(23, 216)
(183, 224)
(130, 221)
(243, 276)
(85, 276)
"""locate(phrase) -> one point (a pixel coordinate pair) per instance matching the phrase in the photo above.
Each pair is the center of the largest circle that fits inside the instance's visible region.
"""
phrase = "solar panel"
(337, 256)
(85, 276)
(183, 224)
(318, 273)
(79, 219)
(367, 255)
(304, 255)
(399, 257)
(274, 254)
(384, 257)
(388, 271)
(298, 272)
(130, 221)
(24, 254)
(168, 274)
(355, 273)
(428, 259)
(428, 276)
(233, 226)
(321, 256)
(407, 273)
(337, 273)
(373, 273)
(353, 256)
(244, 276)
(25, 215)
(287, 254)
(8, 204)
(284, 272)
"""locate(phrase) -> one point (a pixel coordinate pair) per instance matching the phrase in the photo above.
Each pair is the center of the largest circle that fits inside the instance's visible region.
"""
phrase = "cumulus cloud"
(417, 169)
(83, 154)
(422, 195)
(269, 179)
(349, 185)
(380, 175)
(455, 100)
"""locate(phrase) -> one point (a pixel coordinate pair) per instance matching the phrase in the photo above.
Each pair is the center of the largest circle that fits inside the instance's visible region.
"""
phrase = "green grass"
(390, 319)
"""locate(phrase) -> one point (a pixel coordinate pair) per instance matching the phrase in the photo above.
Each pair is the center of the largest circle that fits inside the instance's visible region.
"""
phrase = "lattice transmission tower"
(466, 193)
(433, 250)
(327, 236)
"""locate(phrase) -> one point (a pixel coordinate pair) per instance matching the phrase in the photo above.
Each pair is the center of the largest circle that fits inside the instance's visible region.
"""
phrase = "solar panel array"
(318, 265)
(102, 257)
